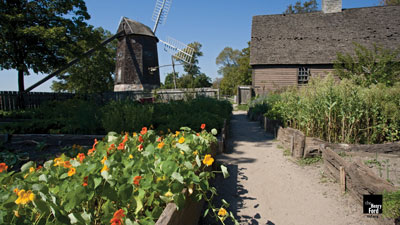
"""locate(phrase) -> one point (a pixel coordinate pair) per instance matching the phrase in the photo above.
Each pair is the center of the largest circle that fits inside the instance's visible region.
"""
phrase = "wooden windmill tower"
(137, 58)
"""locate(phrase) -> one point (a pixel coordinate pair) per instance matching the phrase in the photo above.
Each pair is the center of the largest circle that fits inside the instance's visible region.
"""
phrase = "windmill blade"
(160, 12)
(178, 50)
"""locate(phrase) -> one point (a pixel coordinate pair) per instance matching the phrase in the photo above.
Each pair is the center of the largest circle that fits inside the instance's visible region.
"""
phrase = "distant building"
(286, 50)
(136, 54)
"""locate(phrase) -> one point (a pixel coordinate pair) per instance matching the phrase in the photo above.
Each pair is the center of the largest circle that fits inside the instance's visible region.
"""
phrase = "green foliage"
(92, 74)
(308, 6)
(266, 105)
(193, 78)
(391, 203)
(341, 112)
(39, 35)
(235, 69)
(309, 161)
(139, 177)
(369, 66)
(77, 116)
(390, 2)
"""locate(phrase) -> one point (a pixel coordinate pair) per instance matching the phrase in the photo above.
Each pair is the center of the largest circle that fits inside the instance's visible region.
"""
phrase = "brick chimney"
(331, 6)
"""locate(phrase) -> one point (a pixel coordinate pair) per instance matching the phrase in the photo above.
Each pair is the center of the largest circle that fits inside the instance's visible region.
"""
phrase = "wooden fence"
(13, 100)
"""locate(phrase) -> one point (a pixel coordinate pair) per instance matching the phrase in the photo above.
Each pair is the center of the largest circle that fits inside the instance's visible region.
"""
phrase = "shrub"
(125, 178)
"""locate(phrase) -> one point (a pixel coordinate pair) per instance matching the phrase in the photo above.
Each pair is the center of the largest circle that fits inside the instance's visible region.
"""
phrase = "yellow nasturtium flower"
(208, 160)
(160, 145)
(168, 194)
(131, 156)
(31, 170)
(105, 168)
(222, 212)
(196, 152)
(181, 140)
(58, 162)
(103, 160)
(24, 197)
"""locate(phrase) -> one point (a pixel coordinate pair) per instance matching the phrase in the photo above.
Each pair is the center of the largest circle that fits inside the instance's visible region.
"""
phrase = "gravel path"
(266, 187)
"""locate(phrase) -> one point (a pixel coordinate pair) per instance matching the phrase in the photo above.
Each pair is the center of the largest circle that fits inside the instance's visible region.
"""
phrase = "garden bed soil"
(386, 166)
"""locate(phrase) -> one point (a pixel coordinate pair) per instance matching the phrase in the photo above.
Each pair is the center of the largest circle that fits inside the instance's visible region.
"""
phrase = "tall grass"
(341, 112)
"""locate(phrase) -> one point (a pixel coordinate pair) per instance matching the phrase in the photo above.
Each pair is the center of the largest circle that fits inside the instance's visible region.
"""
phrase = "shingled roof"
(315, 38)
(134, 27)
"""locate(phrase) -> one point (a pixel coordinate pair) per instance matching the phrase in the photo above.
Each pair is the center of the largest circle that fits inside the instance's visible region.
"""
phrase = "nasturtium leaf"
(206, 212)
(188, 165)
(43, 178)
(149, 150)
(125, 191)
(26, 166)
(97, 182)
(63, 176)
(47, 164)
(75, 218)
(129, 222)
(198, 161)
(111, 136)
(87, 217)
(224, 171)
(184, 147)
(168, 167)
(177, 176)
(185, 129)
(41, 206)
(75, 163)
(214, 131)
(179, 200)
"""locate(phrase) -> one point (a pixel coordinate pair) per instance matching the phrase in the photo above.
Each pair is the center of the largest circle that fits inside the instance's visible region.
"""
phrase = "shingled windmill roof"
(315, 38)
(134, 27)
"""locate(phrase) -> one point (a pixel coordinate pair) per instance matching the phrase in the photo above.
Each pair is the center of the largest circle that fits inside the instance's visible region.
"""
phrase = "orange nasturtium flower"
(125, 138)
(160, 145)
(67, 164)
(177, 133)
(71, 171)
(85, 181)
(3, 167)
(208, 160)
(93, 148)
(159, 139)
(181, 140)
(222, 212)
(112, 146)
(141, 139)
(32, 169)
(140, 147)
(136, 180)
(39, 167)
(81, 157)
(203, 126)
(144, 131)
(117, 218)
(24, 197)
(121, 146)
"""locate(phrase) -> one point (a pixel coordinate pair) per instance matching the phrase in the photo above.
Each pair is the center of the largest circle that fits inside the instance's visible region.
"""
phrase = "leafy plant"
(309, 161)
(391, 203)
(123, 178)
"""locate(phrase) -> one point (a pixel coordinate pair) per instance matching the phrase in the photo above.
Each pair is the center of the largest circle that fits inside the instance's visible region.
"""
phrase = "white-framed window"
(303, 75)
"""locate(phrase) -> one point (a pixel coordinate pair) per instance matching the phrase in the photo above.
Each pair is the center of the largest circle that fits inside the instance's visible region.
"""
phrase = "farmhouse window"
(302, 75)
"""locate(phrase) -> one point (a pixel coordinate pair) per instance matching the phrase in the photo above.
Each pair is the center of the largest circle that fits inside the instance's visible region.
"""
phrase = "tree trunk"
(21, 87)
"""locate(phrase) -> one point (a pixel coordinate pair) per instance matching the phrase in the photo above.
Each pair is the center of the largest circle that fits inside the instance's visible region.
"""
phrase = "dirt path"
(266, 187)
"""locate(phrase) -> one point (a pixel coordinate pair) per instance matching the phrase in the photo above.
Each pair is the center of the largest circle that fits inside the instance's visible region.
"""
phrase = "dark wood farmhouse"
(286, 50)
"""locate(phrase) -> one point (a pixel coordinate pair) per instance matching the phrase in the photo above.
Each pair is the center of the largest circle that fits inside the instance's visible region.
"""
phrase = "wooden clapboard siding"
(267, 78)
(271, 79)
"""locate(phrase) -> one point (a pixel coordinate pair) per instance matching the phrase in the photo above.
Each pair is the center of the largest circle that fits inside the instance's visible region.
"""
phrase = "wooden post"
(292, 145)
(342, 180)
(265, 123)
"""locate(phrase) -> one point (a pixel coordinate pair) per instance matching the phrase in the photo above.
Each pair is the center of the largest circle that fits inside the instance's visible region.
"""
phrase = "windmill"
(174, 47)
(137, 58)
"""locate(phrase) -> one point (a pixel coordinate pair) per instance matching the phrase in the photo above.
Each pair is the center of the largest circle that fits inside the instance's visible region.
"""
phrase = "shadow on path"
(243, 136)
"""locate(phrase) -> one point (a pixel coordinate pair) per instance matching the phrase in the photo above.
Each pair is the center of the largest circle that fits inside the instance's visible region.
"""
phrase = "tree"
(308, 6)
(369, 66)
(37, 35)
(193, 77)
(390, 2)
(235, 69)
(92, 74)
(169, 80)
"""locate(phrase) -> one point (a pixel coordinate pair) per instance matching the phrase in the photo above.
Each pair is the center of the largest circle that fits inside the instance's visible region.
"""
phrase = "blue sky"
(216, 24)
